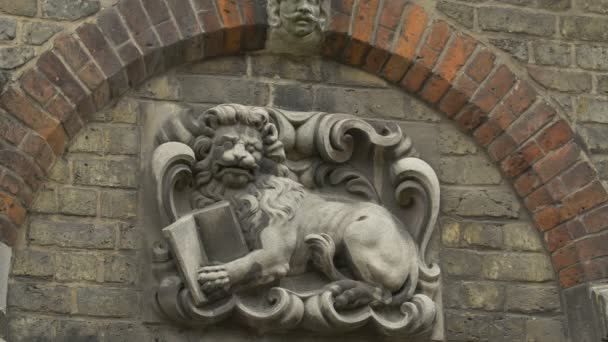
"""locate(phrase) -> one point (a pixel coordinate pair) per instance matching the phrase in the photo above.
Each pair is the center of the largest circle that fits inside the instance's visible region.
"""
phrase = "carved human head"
(238, 140)
(299, 18)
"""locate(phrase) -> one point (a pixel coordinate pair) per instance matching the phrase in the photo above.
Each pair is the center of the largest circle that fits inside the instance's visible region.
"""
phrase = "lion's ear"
(270, 134)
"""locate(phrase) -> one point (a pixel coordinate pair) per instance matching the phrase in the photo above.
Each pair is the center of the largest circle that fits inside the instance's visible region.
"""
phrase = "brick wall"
(80, 266)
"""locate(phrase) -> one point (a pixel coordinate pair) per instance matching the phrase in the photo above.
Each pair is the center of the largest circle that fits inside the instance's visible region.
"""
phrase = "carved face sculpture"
(300, 17)
(237, 151)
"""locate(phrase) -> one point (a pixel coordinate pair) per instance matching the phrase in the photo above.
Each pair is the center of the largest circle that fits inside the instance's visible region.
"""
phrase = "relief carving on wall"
(296, 26)
(285, 220)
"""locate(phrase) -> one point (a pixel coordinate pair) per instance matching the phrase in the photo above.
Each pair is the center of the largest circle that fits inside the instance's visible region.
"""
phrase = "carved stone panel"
(293, 220)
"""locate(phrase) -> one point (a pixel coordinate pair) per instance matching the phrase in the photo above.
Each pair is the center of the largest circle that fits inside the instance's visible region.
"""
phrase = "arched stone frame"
(403, 43)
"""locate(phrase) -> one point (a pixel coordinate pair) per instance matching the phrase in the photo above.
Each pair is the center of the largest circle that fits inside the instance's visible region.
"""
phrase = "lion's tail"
(323, 250)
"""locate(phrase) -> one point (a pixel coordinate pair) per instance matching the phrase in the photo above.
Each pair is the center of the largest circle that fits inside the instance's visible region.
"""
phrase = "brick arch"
(403, 43)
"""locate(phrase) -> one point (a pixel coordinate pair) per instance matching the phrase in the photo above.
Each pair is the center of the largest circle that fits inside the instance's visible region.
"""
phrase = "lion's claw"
(213, 278)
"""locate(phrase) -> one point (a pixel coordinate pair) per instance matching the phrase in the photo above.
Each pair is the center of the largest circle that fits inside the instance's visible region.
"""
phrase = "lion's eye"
(251, 148)
(227, 145)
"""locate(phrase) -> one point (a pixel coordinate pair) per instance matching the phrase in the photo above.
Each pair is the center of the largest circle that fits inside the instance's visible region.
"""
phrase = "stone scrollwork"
(285, 220)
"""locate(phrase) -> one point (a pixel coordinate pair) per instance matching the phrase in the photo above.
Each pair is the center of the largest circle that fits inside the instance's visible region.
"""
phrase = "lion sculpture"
(241, 159)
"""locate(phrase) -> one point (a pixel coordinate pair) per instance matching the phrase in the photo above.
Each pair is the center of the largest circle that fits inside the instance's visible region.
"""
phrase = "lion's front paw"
(214, 279)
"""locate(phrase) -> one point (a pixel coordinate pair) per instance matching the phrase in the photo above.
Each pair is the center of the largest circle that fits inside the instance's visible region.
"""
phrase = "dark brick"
(57, 73)
(37, 86)
(557, 161)
(99, 48)
(187, 23)
(70, 50)
(111, 25)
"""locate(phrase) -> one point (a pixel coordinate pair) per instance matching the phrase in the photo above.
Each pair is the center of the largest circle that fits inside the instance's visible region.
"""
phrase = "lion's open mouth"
(222, 170)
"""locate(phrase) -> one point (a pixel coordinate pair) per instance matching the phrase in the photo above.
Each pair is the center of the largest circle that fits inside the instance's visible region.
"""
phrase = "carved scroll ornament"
(279, 220)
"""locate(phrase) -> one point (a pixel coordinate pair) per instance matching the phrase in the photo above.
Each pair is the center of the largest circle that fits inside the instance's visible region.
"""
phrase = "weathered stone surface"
(532, 298)
(72, 234)
(106, 172)
(38, 297)
(594, 136)
(335, 73)
(293, 97)
(81, 330)
(461, 13)
(520, 267)
(602, 84)
(89, 140)
(545, 329)
(60, 172)
(213, 89)
(120, 269)
(68, 9)
(75, 201)
(601, 163)
(517, 48)
(107, 139)
(482, 235)
(130, 236)
(486, 202)
(450, 233)
(46, 201)
(165, 87)
(287, 67)
(125, 111)
(12, 57)
(464, 263)
(378, 103)
(107, 302)
(596, 6)
(465, 326)
(468, 170)
(585, 28)
(522, 236)
(561, 80)
(32, 263)
(487, 296)
(76, 267)
(452, 141)
(555, 5)
(516, 21)
(592, 110)
(119, 204)
(26, 8)
(592, 57)
(232, 65)
(37, 33)
(30, 328)
(551, 53)
(8, 29)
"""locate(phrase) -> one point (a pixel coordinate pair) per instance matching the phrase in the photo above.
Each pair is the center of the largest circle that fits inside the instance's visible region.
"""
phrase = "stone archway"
(403, 43)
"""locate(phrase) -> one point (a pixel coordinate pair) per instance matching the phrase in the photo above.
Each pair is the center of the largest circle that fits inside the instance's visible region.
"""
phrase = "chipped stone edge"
(599, 300)
(5, 261)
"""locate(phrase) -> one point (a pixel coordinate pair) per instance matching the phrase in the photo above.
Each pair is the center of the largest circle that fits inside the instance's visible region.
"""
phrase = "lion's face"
(300, 17)
(236, 152)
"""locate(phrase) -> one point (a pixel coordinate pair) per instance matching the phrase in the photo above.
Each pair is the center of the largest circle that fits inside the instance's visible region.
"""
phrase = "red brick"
(520, 99)
(60, 108)
(57, 73)
(459, 51)
(391, 13)
(135, 17)
(596, 220)
(485, 100)
(157, 11)
(37, 86)
(579, 175)
(100, 50)
(520, 161)
(353, 55)
(71, 51)
(596, 269)
(37, 148)
(503, 116)
(434, 89)
(413, 27)
(501, 147)
(556, 238)
(481, 66)
(415, 77)
(555, 136)
(11, 207)
(466, 86)
(501, 82)
(526, 183)
(22, 108)
(557, 161)
(592, 246)
(547, 218)
(556, 189)
(187, 23)
(538, 199)
(8, 231)
(254, 13)
(111, 25)
(470, 118)
(168, 33)
(571, 276)
(440, 33)
(452, 102)
(11, 130)
(14, 184)
(375, 60)
(583, 200)
(363, 20)
(73, 124)
(384, 39)
(530, 122)
(91, 76)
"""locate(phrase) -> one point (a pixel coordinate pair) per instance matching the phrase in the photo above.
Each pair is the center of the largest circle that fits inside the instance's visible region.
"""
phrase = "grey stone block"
(482, 235)
(517, 48)
(293, 97)
(532, 267)
(585, 28)
(461, 13)
(75, 201)
(106, 172)
(551, 53)
(120, 269)
(213, 89)
(468, 170)
(522, 236)
(466, 326)
(72, 234)
(452, 141)
(36, 33)
(38, 297)
(462, 263)
(594, 136)
(592, 57)
(68, 9)
(482, 202)
(561, 80)
(30, 328)
(487, 296)
(375, 103)
(26, 8)
(335, 73)
(8, 29)
(12, 57)
(592, 110)
(232, 65)
(75, 267)
(545, 329)
(90, 331)
(118, 204)
(32, 263)
(532, 298)
(107, 302)
(516, 21)
(286, 67)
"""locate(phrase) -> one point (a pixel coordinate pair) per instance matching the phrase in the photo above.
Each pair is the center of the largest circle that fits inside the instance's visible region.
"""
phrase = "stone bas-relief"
(280, 220)
(296, 26)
